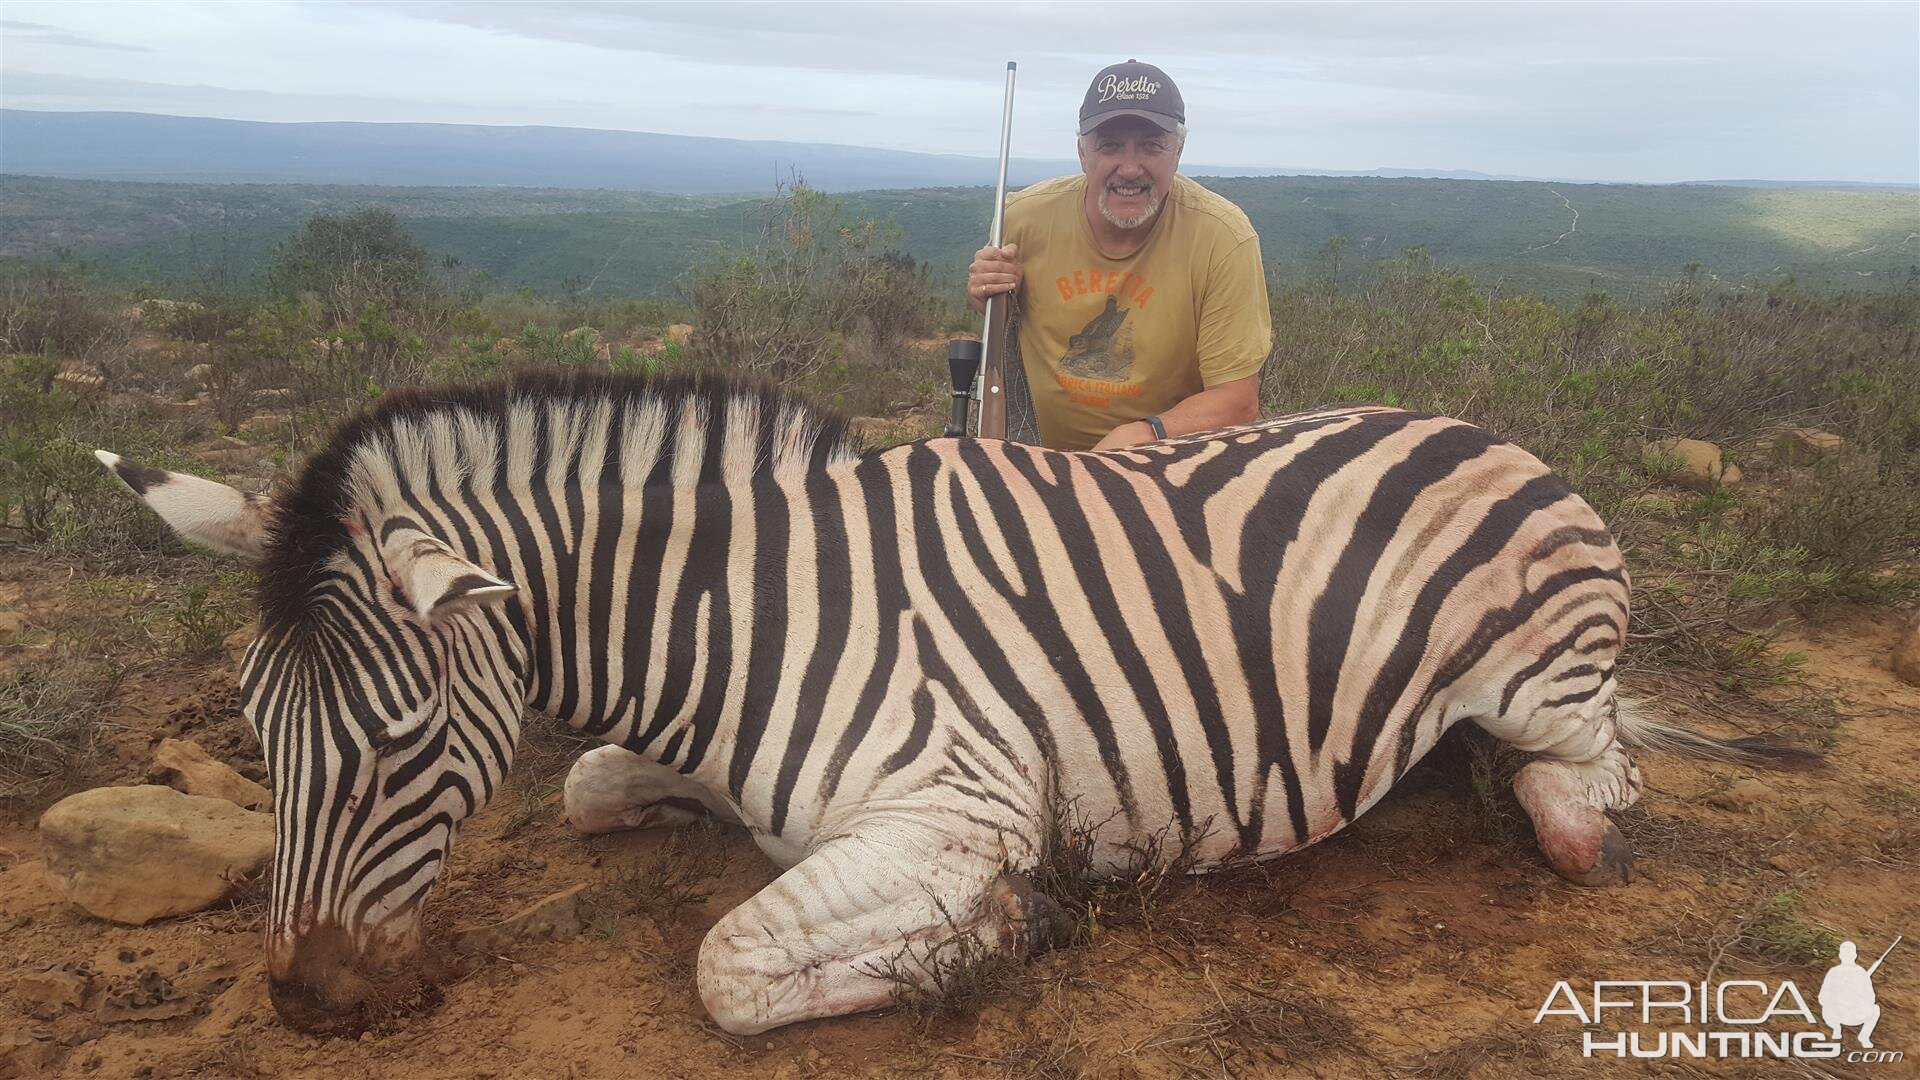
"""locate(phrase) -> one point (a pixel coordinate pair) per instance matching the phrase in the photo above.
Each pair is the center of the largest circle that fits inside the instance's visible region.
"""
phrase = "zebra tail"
(1637, 729)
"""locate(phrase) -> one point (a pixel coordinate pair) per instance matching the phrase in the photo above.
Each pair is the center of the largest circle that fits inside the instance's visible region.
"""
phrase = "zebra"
(888, 665)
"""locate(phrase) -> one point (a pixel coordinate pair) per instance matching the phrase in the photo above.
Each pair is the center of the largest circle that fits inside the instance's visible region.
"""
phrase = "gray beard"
(1119, 222)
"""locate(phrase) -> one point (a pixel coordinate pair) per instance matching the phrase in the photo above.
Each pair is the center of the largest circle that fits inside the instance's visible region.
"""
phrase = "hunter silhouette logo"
(1846, 994)
(1731, 1018)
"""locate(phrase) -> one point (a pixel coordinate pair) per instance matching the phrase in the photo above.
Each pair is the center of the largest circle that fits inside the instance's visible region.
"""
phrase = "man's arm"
(1225, 405)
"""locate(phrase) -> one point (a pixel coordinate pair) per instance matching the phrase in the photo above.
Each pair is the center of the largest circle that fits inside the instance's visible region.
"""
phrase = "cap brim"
(1165, 122)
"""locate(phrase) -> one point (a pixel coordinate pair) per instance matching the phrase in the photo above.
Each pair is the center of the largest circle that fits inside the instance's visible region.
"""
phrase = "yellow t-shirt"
(1107, 341)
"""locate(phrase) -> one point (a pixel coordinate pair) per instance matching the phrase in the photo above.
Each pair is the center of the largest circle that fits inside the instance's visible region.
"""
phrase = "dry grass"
(951, 978)
(1251, 1035)
(1495, 1054)
(680, 872)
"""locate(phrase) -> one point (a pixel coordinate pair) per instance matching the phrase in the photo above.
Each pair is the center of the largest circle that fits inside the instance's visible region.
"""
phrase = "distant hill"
(143, 146)
(1516, 236)
(203, 150)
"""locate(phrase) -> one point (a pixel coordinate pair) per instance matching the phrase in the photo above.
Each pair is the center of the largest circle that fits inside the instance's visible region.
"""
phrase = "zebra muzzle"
(324, 987)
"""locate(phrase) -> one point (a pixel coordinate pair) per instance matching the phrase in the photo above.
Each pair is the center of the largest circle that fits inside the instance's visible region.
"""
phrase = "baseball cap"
(1132, 89)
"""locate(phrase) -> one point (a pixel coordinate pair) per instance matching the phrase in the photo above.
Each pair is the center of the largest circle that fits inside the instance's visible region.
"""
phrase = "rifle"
(978, 368)
(1883, 956)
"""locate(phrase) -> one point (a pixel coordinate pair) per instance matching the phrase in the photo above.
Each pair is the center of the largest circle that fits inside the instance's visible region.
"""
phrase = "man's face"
(1129, 164)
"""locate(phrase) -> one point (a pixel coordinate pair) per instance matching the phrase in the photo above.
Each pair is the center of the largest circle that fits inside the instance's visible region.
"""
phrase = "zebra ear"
(435, 580)
(213, 515)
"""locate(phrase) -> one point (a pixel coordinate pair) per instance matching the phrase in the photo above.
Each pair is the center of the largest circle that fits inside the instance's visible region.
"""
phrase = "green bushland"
(816, 293)
(1516, 237)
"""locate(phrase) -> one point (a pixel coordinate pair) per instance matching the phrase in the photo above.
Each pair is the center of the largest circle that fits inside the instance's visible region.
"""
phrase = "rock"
(1745, 795)
(1788, 862)
(555, 918)
(135, 854)
(243, 1005)
(145, 995)
(62, 986)
(183, 766)
(80, 376)
(1730, 475)
(680, 333)
(160, 310)
(1801, 445)
(1906, 655)
(267, 427)
(27, 1052)
(1696, 464)
(202, 374)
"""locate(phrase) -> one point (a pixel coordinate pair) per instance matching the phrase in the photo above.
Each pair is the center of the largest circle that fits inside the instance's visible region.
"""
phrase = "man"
(1142, 301)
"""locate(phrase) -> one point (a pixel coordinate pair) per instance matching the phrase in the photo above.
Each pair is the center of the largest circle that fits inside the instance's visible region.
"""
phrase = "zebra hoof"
(1614, 866)
(1038, 923)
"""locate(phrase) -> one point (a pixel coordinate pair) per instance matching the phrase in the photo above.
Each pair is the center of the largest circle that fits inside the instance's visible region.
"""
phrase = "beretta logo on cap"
(1132, 89)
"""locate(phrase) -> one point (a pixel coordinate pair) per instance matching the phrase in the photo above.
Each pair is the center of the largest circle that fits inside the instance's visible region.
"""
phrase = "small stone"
(135, 854)
(1743, 795)
(1906, 655)
(555, 918)
(26, 1052)
(1696, 463)
(55, 986)
(182, 765)
(145, 995)
(1801, 445)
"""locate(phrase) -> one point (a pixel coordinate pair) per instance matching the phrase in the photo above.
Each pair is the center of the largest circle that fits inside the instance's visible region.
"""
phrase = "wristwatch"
(1159, 429)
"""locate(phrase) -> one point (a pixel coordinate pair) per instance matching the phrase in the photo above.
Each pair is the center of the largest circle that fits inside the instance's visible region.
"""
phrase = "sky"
(1605, 91)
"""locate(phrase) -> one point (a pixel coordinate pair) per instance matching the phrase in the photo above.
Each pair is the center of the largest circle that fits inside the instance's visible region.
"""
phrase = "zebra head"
(386, 687)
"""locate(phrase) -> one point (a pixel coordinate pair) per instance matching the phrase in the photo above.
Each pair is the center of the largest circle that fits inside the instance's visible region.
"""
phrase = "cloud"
(1608, 91)
(18, 30)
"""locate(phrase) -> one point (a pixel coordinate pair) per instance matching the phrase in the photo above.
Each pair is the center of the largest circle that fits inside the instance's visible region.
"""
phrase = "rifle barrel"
(988, 388)
(1883, 956)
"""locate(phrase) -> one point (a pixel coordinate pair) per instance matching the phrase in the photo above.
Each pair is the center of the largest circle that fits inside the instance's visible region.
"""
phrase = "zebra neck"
(645, 624)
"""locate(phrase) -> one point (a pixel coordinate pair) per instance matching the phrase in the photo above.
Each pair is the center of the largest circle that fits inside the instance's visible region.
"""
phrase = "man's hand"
(994, 271)
(1132, 433)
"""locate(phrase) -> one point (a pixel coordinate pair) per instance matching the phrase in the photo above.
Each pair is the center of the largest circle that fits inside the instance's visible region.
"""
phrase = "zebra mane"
(749, 428)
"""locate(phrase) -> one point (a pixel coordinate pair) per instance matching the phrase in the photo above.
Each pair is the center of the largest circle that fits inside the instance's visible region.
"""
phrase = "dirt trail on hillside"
(1421, 942)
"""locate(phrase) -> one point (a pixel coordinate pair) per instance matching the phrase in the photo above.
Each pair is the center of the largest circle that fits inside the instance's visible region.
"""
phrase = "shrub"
(56, 308)
(352, 262)
(785, 306)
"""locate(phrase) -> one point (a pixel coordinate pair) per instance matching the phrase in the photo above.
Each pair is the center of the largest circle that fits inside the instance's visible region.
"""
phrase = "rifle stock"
(993, 366)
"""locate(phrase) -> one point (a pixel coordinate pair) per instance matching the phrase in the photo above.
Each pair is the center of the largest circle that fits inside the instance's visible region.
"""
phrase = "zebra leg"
(611, 788)
(837, 931)
(1582, 772)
